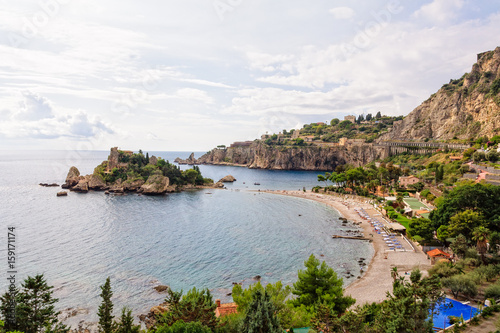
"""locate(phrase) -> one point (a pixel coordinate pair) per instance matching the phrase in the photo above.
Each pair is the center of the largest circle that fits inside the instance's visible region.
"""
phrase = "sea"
(210, 238)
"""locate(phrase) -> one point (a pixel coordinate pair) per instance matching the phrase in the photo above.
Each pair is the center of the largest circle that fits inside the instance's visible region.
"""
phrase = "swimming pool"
(456, 309)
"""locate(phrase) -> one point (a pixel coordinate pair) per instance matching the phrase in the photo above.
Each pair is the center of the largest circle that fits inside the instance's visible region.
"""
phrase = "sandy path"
(376, 282)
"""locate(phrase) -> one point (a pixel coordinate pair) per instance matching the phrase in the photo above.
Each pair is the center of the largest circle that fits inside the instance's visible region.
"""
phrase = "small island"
(126, 171)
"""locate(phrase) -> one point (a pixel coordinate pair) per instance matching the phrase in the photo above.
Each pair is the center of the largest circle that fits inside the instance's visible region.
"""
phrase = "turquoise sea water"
(207, 238)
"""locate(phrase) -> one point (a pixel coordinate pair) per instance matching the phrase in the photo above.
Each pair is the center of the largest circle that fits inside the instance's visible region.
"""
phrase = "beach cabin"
(225, 309)
(436, 255)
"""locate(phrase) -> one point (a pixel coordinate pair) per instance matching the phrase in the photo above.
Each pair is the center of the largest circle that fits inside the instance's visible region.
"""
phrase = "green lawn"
(415, 204)
(403, 220)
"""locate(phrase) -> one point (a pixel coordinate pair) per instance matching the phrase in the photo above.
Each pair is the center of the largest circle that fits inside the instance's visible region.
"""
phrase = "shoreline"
(376, 281)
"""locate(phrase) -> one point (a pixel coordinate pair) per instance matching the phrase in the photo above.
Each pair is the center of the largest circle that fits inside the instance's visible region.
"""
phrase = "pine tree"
(260, 316)
(378, 115)
(126, 324)
(147, 158)
(36, 305)
(319, 283)
(105, 311)
(7, 308)
(33, 307)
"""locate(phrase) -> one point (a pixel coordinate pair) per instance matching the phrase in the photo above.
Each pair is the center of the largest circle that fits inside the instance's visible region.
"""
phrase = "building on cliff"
(114, 159)
(225, 309)
(410, 180)
(352, 119)
(241, 144)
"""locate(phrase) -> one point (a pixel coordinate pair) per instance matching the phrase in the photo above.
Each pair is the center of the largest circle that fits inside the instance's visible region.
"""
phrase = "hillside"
(463, 109)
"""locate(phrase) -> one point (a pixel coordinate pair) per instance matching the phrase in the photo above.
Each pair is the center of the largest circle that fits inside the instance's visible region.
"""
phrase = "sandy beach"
(376, 282)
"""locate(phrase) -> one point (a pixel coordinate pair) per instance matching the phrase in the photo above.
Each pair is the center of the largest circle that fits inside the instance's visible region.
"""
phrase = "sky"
(190, 75)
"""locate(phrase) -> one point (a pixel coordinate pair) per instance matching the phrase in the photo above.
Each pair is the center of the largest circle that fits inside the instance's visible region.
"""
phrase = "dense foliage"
(34, 309)
(138, 167)
(468, 206)
(195, 306)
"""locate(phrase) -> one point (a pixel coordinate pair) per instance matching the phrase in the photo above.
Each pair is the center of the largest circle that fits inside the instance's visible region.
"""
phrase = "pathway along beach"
(376, 281)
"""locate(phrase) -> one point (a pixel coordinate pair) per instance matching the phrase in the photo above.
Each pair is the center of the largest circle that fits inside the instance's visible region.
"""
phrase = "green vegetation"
(133, 167)
(34, 308)
(261, 315)
(366, 127)
(195, 306)
(364, 181)
(105, 311)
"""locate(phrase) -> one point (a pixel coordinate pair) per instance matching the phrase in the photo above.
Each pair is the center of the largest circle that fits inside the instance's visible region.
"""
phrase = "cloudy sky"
(192, 74)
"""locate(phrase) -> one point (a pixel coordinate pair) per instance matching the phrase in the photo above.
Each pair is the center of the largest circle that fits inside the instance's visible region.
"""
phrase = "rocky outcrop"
(156, 184)
(227, 179)
(48, 185)
(82, 186)
(261, 156)
(62, 194)
(120, 180)
(153, 160)
(113, 158)
(161, 288)
(190, 160)
(466, 108)
(150, 318)
(117, 187)
(72, 178)
(96, 183)
(132, 186)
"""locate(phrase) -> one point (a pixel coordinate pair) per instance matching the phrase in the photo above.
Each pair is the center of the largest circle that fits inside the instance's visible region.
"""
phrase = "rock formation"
(261, 156)
(49, 185)
(153, 160)
(118, 175)
(96, 183)
(72, 178)
(82, 186)
(113, 158)
(466, 108)
(156, 184)
(227, 179)
(190, 160)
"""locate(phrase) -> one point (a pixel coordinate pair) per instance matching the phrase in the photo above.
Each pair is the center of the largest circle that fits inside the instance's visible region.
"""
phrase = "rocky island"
(126, 171)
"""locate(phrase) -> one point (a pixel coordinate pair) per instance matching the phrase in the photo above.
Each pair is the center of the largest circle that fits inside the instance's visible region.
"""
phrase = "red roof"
(226, 309)
(438, 253)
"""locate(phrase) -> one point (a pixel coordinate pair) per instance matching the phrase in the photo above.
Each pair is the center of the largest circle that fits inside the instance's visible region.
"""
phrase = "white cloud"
(267, 65)
(34, 107)
(342, 13)
(37, 119)
(439, 11)
(194, 95)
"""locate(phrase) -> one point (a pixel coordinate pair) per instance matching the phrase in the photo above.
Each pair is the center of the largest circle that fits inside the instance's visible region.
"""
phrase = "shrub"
(492, 291)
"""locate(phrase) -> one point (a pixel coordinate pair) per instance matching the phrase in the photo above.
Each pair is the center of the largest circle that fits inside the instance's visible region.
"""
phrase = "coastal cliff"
(258, 155)
(462, 109)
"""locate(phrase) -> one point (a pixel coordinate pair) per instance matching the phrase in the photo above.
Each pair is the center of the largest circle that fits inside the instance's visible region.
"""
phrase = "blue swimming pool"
(452, 308)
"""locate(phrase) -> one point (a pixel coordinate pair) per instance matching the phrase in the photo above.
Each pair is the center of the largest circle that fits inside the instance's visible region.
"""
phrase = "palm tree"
(480, 235)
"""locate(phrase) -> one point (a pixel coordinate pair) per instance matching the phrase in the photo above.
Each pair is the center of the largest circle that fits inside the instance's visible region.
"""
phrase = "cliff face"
(465, 108)
(262, 156)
